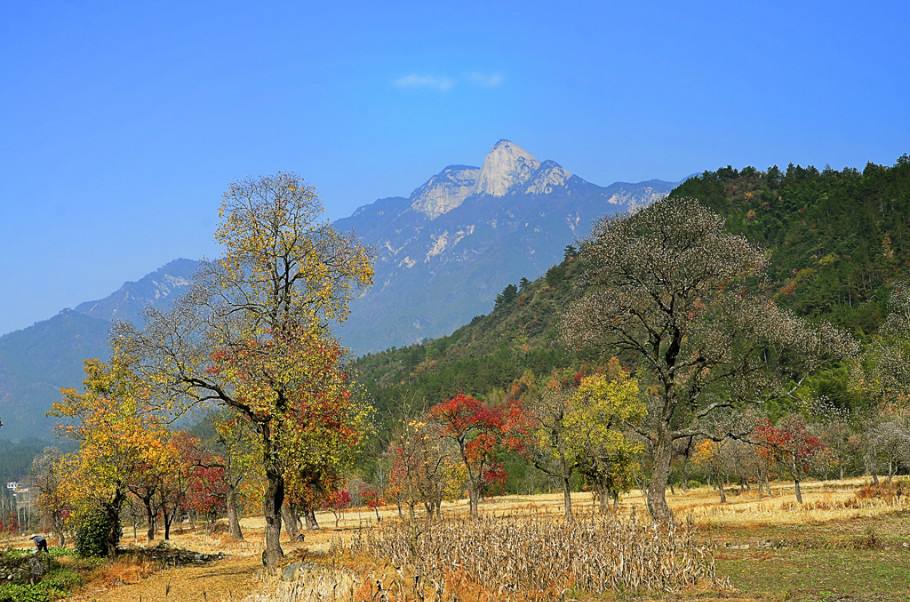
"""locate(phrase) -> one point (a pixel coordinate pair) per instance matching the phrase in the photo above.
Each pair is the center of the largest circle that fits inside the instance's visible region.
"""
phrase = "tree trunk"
(720, 490)
(310, 516)
(567, 498)
(378, 518)
(603, 504)
(168, 521)
(114, 529)
(291, 523)
(59, 530)
(233, 514)
(474, 500)
(657, 487)
(798, 491)
(149, 519)
(272, 502)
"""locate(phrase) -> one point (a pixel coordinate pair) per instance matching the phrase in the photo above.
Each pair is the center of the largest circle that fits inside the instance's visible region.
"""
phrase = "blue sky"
(122, 123)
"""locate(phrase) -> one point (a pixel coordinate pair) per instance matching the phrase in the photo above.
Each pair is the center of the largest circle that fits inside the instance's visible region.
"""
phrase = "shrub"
(92, 532)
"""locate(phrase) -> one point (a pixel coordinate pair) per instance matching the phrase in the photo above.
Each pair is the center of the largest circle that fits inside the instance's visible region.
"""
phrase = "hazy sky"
(122, 122)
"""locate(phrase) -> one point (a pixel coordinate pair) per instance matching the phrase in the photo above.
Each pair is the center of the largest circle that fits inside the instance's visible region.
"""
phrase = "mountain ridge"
(450, 246)
(442, 255)
(838, 242)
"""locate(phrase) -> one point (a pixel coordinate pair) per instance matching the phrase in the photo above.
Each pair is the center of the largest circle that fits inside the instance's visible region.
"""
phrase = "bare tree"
(671, 289)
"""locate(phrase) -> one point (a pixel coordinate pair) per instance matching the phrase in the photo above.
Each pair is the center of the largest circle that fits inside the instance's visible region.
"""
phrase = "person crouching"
(40, 543)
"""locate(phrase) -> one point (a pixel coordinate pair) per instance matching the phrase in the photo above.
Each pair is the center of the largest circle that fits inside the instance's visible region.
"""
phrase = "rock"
(290, 572)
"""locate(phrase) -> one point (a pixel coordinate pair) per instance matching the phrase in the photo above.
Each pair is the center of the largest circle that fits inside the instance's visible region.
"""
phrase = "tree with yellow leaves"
(577, 424)
(120, 440)
(602, 410)
(253, 333)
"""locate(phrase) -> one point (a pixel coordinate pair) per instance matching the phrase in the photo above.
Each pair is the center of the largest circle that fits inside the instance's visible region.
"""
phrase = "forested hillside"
(838, 240)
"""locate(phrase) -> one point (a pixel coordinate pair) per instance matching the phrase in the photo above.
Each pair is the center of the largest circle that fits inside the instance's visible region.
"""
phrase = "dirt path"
(224, 580)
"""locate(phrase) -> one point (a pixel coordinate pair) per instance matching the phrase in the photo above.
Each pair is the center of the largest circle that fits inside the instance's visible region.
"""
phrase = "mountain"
(160, 289)
(444, 253)
(838, 242)
(36, 361)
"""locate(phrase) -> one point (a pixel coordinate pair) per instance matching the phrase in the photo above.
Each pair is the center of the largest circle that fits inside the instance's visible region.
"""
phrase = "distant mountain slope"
(36, 361)
(159, 289)
(444, 253)
(838, 242)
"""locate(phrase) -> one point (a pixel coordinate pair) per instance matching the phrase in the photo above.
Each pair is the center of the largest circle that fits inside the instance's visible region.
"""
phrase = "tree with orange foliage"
(207, 489)
(338, 501)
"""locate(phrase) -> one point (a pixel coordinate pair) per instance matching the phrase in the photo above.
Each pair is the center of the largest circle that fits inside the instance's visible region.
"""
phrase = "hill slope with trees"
(837, 241)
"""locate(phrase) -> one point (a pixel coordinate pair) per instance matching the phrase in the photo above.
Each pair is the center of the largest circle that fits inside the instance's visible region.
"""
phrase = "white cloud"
(444, 83)
(487, 80)
(433, 82)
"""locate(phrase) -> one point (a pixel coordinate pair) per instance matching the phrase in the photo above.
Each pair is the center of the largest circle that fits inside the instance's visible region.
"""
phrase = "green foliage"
(57, 552)
(838, 241)
(55, 585)
(92, 531)
(484, 356)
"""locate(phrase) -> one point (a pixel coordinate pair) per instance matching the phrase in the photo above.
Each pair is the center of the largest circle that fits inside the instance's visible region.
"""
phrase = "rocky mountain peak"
(445, 191)
(549, 176)
(505, 166)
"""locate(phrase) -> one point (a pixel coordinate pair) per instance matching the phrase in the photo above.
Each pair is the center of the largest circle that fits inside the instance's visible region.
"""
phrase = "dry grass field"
(837, 547)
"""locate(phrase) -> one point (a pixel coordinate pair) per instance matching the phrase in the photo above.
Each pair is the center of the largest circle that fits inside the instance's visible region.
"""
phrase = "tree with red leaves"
(373, 499)
(790, 445)
(337, 501)
(478, 430)
(208, 489)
